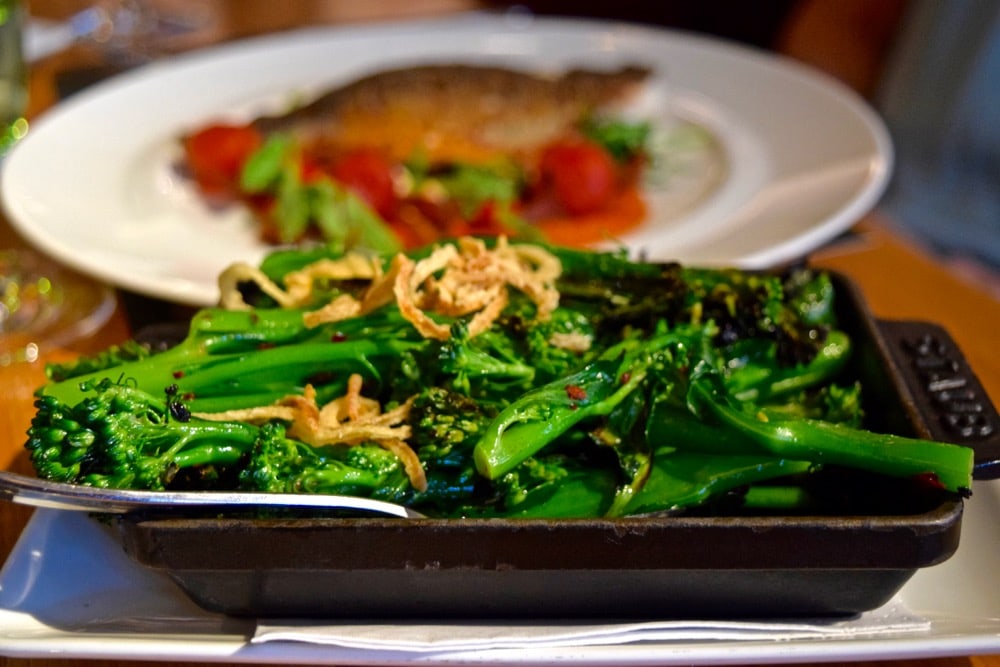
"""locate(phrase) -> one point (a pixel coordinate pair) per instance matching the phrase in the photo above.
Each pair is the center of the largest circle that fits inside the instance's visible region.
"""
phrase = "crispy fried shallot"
(574, 342)
(470, 278)
(453, 281)
(466, 278)
(351, 419)
(299, 284)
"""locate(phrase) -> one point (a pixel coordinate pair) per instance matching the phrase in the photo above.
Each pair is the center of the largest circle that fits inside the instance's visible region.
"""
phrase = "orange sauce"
(623, 214)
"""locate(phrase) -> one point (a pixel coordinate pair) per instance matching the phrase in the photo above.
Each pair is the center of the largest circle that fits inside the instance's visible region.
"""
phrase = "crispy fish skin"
(455, 112)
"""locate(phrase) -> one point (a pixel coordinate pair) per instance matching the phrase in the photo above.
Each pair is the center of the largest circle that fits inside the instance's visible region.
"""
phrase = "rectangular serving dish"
(849, 559)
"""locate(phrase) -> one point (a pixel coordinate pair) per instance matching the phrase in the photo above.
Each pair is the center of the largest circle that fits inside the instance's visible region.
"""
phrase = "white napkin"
(424, 637)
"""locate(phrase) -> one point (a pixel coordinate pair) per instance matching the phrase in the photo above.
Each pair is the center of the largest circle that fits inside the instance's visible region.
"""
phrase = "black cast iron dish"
(852, 558)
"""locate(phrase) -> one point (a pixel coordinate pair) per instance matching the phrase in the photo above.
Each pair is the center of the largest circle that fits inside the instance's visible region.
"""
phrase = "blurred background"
(930, 68)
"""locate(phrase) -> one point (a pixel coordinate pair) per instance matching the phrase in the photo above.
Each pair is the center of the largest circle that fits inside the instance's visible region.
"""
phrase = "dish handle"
(941, 392)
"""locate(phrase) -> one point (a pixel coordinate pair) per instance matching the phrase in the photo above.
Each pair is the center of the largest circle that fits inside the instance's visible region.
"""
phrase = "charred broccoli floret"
(278, 464)
(120, 436)
(643, 387)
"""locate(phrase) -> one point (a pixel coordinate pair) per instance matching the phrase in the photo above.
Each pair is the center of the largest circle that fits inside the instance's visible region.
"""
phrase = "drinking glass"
(46, 310)
(13, 81)
(125, 33)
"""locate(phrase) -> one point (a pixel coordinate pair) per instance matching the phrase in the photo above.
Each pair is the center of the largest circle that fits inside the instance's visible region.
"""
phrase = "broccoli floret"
(811, 295)
(792, 313)
(122, 437)
(560, 344)
(832, 403)
(446, 426)
(119, 436)
(277, 464)
(748, 306)
(116, 355)
(486, 362)
(445, 421)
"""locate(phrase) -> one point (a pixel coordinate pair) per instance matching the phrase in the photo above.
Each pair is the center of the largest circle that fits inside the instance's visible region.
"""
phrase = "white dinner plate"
(94, 184)
(68, 590)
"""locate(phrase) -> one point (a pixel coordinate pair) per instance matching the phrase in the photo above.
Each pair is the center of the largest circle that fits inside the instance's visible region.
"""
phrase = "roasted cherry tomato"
(581, 174)
(368, 174)
(216, 155)
(310, 169)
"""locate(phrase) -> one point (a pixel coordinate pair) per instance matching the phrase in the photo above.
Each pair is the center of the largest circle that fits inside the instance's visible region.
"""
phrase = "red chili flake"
(266, 346)
(338, 337)
(575, 392)
(178, 374)
(188, 396)
(929, 479)
(625, 378)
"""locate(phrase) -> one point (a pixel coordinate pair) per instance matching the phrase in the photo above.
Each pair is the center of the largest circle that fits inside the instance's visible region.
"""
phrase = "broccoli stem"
(579, 494)
(271, 373)
(783, 497)
(342, 479)
(762, 379)
(236, 359)
(540, 416)
(684, 478)
(217, 443)
(826, 442)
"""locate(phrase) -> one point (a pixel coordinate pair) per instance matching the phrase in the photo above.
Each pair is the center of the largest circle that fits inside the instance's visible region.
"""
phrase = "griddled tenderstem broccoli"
(695, 384)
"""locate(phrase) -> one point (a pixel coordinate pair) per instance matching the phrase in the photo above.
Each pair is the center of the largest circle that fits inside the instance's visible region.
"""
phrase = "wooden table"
(898, 279)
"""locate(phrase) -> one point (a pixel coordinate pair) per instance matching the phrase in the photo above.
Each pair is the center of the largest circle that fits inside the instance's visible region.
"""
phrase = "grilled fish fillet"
(456, 112)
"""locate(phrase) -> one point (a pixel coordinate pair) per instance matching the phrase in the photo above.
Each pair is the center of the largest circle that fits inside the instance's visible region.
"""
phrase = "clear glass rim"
(45, 306)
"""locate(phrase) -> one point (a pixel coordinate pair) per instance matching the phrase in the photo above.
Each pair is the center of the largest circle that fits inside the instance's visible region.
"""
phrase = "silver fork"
(36, 492)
